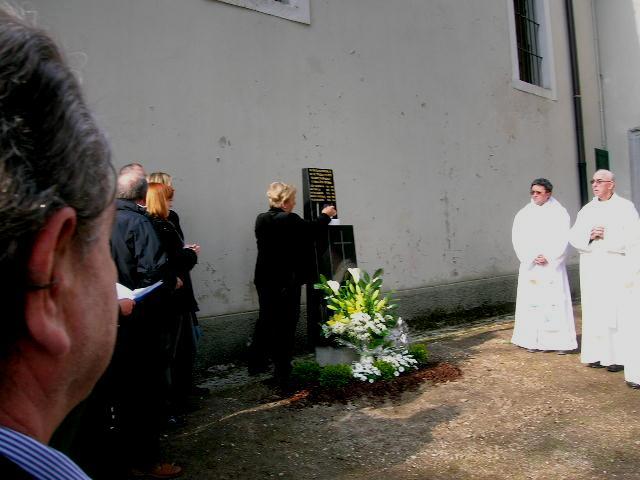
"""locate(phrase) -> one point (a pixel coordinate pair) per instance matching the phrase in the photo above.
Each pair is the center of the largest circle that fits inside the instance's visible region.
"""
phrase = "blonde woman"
(160, 177)
(166, 179)
(285, 253)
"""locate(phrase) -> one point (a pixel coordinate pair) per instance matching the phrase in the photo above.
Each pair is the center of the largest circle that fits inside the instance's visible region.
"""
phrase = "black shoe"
(563, 352)
(532, 350)
(595, 365)
(199, 392)
(635, 386)
(174, 421)
(270, 382)
(615, 368)
(285, 387)
(257, 369)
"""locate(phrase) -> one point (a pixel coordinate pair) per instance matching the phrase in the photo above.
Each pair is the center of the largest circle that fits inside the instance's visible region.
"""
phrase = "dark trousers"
(275, 329)
(118, 425)
(182, 356)
(140, 385)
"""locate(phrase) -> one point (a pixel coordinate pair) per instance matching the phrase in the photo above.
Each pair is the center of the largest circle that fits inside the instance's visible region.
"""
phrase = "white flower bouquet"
(367, 322)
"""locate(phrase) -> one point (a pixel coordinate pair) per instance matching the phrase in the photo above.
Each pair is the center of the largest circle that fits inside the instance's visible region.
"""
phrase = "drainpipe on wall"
(577, 103)
(596, 49)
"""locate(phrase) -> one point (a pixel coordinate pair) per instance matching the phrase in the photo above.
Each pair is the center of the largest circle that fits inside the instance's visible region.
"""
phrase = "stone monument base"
(335, 356)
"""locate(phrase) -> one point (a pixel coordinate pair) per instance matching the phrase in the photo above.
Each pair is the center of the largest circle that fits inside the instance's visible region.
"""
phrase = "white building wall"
(618, 25)
(590, 89)
(410, 103)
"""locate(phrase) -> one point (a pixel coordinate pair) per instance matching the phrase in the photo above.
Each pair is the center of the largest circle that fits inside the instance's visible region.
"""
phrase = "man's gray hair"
(52, 155)
(131, 166)
(132, 185)
(609, 173)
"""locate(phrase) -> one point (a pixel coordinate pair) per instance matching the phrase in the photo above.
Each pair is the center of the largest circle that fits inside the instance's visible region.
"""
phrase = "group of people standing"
(606, 234)
(62, 232)
(149, 381)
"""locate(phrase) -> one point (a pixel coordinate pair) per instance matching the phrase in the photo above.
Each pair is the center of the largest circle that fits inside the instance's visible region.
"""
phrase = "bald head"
(132, 185)
(132, 167)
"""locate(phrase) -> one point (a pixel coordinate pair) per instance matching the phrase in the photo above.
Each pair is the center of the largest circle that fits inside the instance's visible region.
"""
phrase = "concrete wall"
(410, 103)
(618, 25)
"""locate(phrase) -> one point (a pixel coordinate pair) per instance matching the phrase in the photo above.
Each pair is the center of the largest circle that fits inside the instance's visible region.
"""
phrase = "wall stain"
(447, 224)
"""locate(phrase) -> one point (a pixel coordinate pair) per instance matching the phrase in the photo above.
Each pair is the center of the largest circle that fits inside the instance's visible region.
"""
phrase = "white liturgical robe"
(544, 313)
(630, 327)
(604, 273)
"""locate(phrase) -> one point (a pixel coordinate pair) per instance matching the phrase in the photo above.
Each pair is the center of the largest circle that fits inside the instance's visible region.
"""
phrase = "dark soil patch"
(377, 392)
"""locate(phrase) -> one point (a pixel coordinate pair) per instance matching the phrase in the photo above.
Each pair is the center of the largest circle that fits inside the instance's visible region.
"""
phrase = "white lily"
(335, 286)
(355, 273)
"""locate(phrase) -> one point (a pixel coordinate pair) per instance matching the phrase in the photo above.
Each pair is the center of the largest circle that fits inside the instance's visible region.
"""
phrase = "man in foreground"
(544, 312)
(57, 284)
(603, 232)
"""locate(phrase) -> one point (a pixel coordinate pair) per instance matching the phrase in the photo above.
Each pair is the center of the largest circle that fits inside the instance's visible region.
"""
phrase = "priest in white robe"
(630, 309)
(544, 312)
(603, 232)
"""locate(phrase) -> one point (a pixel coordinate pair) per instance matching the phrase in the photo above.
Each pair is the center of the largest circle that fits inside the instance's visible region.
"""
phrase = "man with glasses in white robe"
(603, 233)
(544, 312)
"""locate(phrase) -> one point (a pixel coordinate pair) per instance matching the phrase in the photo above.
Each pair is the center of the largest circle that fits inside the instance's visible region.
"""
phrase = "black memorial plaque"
(318, 191)
(334, 250)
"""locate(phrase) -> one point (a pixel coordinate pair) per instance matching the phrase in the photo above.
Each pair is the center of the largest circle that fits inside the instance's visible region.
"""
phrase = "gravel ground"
(511, 415)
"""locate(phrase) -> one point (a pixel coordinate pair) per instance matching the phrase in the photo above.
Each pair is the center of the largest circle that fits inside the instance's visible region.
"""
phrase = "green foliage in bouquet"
(335, 376)
(365, 321)
(419, 352)
(361, 319)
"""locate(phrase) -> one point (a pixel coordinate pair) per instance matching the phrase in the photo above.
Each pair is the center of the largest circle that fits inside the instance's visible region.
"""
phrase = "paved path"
(512, 415)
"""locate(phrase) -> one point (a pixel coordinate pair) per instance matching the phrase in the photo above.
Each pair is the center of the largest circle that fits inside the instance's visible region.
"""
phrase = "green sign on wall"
(602, 159)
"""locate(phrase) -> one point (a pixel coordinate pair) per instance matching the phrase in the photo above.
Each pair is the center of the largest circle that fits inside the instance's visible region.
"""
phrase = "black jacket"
(285, 247)
(139, 256)
(186, 298)
(180, 260)
(175, 221)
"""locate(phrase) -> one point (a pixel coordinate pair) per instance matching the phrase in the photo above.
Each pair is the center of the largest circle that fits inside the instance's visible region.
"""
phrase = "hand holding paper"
(137, 294)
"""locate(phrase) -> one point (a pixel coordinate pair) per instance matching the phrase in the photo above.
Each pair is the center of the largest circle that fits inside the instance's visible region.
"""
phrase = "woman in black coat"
(285, 255)
(181, 259)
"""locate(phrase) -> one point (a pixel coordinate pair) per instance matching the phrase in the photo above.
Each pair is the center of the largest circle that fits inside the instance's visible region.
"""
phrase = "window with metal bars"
(527, 34)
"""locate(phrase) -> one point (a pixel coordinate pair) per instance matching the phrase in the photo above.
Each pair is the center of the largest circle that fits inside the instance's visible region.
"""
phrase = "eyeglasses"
(599, 181)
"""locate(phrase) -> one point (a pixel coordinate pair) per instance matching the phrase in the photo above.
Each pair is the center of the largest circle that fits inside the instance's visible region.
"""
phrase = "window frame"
(545, 44)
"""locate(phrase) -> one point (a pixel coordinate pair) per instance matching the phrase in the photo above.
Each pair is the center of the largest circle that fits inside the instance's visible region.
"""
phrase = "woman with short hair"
(285, 251)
